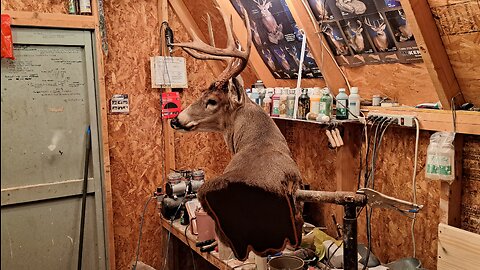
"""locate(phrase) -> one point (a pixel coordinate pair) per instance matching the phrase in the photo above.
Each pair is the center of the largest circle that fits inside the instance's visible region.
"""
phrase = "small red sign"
(7, 41)
(171, 104)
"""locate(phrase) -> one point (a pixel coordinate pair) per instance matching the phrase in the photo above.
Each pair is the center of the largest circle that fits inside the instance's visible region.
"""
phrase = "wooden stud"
(189, 23)
(345, 168)
(331, 73)
(37, 19)
(451, 194)
(433, 52)
(169, 137)
(104, 140)
(457, 249)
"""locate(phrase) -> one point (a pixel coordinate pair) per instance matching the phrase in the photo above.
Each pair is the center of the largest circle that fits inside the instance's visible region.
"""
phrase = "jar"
(376, 100)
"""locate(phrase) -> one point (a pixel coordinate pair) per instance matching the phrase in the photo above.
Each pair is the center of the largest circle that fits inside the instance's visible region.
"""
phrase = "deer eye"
(211, 102)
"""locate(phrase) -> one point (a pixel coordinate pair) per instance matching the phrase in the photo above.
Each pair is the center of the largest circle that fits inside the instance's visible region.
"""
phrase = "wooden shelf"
(57, 20)
(178, 230)
(468, 122)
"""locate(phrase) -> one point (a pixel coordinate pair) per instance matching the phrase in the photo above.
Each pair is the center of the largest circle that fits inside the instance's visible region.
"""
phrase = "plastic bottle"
(315, 101)
(267, 104)
(342, 105)
(303, 105)
(326, 103)
(283, 103)
(290, 103)
(262, 93)
(276, 102)
(354, 103)
(255, 96)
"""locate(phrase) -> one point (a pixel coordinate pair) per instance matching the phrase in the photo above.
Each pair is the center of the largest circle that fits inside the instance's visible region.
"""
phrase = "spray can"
(290, 103)
(342, 105)
(283, 103)
(276, 102)
(354, 103)
(303, 105)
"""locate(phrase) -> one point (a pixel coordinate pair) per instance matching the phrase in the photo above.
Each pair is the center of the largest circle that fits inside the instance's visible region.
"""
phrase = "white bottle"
(354, 103)
(315, 101)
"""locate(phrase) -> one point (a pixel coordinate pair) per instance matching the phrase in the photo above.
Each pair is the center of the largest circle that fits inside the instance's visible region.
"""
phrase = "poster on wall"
(277, 38)
(362, 32)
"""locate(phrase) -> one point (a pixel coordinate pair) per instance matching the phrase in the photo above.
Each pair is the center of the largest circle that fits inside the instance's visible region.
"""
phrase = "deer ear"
(236, 92)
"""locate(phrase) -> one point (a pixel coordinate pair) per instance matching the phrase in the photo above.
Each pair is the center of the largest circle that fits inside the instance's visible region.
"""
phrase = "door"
(48, 99)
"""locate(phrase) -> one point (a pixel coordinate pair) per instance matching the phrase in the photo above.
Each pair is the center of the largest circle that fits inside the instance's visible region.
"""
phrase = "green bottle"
(72, 7)
(342, 105)
(326, 103)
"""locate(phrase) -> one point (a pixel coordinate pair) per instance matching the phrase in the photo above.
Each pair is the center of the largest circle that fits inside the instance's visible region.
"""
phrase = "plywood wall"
(197, 150)
(136, 148)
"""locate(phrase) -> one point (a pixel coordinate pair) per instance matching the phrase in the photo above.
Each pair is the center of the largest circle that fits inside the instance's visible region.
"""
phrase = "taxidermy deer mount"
(253, 201)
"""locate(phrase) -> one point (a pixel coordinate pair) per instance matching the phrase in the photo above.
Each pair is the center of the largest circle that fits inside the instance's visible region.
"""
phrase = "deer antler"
(236, 58)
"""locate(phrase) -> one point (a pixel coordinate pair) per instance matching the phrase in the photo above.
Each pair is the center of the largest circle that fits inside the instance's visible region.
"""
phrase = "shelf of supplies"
(57, 20)
(178, 230)
(467, 122)
(331, 122)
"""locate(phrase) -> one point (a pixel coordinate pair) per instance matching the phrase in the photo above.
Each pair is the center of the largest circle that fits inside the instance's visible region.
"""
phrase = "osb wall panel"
(136, 150)
(459, 25)
(408, 84)
(197, 150)
(391, 237)
(317, 163)
(471, 184)
(47, 6)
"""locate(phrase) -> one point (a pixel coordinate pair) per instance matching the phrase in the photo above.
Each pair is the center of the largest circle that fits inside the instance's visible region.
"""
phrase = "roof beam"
(430, 44)
(258, 66)
(191, 26)
(330, 70)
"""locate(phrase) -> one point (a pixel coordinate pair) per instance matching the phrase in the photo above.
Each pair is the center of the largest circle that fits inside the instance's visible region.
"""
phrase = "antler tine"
(236, 58)
(210, 30)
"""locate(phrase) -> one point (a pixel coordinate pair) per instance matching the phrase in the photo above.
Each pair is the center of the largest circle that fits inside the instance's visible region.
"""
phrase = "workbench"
(178, 231)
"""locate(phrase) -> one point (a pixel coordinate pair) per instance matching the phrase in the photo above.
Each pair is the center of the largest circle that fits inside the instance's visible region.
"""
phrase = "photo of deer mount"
(276, 37)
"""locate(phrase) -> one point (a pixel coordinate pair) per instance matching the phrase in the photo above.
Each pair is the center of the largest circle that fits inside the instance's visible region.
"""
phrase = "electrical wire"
(333, 253)
(414, 183)
(140, 232)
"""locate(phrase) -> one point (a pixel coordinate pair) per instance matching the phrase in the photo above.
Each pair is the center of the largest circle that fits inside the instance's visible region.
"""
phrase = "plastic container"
(440, 163)
(376, 100)
(342, 105)
(354, 103)
(326, 103)
(290, 103)
(315, 101)
(262, 94)
(255, 96)
(303, 105)
(283, 103)
(276, 102)
(267, 104)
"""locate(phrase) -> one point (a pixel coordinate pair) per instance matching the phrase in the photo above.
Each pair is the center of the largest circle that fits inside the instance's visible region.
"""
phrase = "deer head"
(264, 7)
(380, 28)
(214, 109)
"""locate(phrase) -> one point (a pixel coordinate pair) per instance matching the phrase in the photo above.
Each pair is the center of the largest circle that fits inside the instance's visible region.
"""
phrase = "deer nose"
(175, 123)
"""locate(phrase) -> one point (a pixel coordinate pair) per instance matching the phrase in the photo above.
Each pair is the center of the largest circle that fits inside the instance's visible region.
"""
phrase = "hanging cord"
(140, 232)
(414, 182)
(454, 112)
(169, 234)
